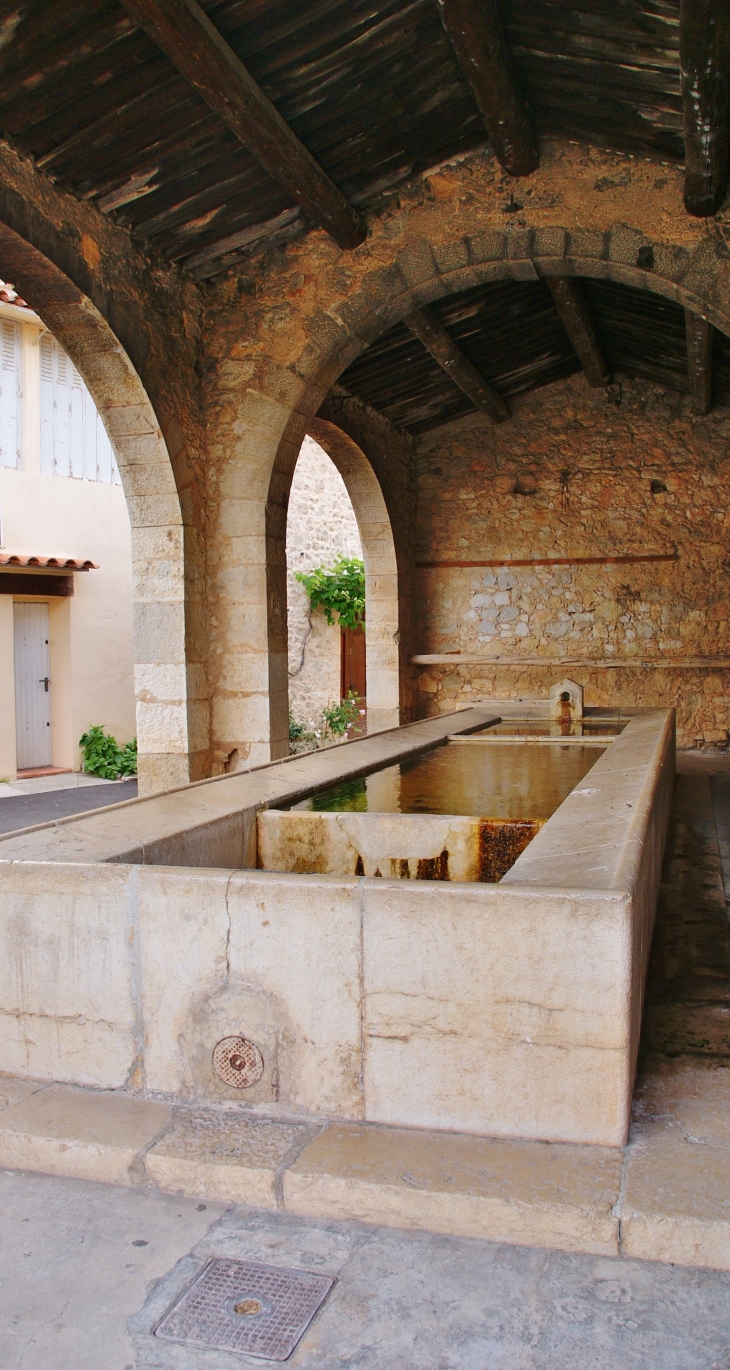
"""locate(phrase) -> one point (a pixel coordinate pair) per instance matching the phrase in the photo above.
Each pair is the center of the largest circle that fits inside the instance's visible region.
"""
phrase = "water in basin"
(505, 781)
(545, 728)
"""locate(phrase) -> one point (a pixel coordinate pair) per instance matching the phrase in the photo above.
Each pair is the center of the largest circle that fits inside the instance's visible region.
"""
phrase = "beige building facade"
(65, 633)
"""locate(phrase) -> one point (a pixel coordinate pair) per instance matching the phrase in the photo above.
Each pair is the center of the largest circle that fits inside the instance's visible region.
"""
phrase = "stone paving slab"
(664, 1198)
(226, 1157)
(414, 1301)
(531, 1193)
(62, 1130)
(76, 1259)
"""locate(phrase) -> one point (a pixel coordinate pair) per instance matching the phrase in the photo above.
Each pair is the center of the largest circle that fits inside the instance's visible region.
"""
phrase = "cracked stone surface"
(422, 1302)
(72, 1271)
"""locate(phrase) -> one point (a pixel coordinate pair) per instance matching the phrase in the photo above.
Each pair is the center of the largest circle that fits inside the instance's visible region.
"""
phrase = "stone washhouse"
(402, 979)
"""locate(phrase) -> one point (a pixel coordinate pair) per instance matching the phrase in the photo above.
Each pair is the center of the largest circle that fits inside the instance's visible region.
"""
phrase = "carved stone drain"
(238, 1062)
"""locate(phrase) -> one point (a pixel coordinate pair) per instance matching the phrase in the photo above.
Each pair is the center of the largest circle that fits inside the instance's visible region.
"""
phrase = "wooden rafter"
(572, 307)
(704, 55)
(475, 30)
(185, 34)
(699, 361)
(444, 350)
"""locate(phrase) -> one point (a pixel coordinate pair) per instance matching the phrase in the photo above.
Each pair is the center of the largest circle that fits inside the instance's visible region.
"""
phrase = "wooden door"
(352, 663)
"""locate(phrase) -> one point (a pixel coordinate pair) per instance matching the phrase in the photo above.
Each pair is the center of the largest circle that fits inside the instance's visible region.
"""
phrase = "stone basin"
(451, 813)
(137, 940)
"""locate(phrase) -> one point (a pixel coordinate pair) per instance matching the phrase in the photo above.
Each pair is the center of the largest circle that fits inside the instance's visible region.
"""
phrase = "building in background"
(66, 657)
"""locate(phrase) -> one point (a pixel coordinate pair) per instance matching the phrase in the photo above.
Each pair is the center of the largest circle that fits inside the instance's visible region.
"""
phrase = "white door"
(32, 686)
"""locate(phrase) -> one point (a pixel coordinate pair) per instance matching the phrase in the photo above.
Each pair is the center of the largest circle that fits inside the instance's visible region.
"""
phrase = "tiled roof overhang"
(37, 559)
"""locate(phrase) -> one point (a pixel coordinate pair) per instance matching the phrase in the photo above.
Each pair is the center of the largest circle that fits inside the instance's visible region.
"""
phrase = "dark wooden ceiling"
(511, 332)
(371, 87)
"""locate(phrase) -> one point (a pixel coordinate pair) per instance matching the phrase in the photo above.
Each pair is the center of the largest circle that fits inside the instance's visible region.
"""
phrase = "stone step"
(666, 1197)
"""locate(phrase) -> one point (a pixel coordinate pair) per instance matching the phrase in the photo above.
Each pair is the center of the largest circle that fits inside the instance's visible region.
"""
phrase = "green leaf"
(339, 590)
(104, 757)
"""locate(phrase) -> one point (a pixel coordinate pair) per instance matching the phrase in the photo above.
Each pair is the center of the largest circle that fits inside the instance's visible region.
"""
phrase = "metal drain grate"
(257, 1310)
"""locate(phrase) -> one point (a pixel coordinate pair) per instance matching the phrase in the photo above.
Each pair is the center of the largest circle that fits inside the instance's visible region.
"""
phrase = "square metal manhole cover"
(257, 1310)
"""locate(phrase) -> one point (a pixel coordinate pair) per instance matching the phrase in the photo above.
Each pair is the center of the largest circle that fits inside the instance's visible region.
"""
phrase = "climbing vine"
(339, 590)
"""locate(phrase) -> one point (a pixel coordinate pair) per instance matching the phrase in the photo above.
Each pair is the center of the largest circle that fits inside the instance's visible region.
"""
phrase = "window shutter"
(9, 394)
(47, 389)
(74, 440)
(76, 431)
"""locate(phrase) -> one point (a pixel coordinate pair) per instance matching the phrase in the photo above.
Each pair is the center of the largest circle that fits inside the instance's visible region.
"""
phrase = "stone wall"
(575, 476)
(320, 524)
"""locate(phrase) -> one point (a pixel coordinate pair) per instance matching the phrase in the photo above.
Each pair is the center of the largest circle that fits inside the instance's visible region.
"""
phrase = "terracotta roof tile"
(55, 563)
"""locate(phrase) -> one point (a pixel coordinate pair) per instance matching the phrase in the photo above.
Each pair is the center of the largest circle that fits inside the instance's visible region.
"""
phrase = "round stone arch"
(690, 265)
(382, 616)
(152, 500)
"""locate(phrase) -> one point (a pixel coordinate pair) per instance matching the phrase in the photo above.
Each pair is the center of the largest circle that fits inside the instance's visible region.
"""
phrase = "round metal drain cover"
(238, 1062)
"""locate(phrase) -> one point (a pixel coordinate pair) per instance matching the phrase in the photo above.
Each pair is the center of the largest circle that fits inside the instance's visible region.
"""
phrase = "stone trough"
(140, 946)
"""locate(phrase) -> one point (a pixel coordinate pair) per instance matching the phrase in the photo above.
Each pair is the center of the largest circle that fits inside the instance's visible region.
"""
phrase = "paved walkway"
(27, 802)
(76, 1259)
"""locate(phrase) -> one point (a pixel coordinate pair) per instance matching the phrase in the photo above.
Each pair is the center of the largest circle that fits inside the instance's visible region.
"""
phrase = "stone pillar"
(247, 569)
(157, 541)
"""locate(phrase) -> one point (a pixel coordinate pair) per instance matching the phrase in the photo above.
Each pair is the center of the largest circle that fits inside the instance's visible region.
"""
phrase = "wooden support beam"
(699, 361)
(704, 59)
(475, 30)
(194, 45)
(444, 350)
(572, 307)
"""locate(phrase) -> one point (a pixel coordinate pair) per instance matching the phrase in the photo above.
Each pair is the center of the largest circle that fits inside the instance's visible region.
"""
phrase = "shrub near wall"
(573, 476)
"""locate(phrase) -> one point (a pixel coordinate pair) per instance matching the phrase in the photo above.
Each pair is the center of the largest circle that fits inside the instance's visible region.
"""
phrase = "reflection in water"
(482, 781)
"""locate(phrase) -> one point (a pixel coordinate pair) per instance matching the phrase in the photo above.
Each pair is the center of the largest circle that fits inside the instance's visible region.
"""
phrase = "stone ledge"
(226, 1157)
(62, 1130)
(526, 1193)
(663, 1199)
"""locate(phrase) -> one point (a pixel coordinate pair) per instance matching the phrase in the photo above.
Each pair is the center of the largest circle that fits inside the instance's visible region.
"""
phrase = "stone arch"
(311, 346)
(381, 572)
(152, 499)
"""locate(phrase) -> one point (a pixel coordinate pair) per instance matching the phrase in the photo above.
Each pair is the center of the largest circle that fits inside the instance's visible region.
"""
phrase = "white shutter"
(9, 394)
(74, 440)
(77, 396)
(62, 398)
(47, 404)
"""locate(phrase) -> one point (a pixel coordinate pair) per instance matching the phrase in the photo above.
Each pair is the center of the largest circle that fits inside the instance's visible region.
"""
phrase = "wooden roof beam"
(572, 307)
(475, 30)
(699, 361)
(185, 34)
(704, 59)
(444, 350)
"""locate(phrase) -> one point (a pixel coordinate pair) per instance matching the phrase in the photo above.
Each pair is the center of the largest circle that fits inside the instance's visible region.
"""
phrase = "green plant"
(301, 737)
(339, 717)
(339, 590)
(104, 757)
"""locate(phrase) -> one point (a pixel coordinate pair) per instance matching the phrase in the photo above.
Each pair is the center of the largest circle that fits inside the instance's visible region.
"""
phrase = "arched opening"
(381, 571)
(326, 659)
(262, 444)
(152, 499)
(564, 536)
